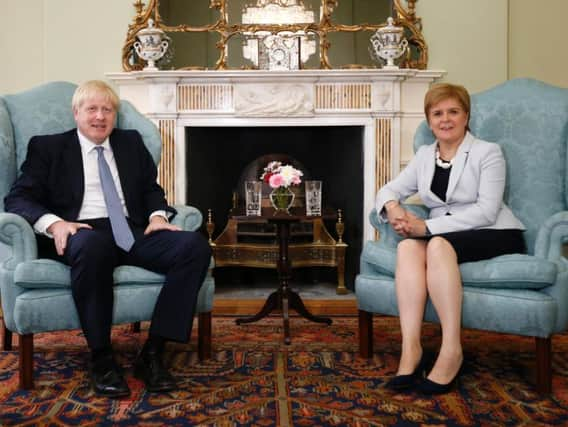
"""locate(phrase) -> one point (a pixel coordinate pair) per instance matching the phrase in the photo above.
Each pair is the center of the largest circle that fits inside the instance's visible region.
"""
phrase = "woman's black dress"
(475, 245)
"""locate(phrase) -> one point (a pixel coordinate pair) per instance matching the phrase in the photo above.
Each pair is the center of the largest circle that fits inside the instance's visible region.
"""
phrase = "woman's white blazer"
(474, 198)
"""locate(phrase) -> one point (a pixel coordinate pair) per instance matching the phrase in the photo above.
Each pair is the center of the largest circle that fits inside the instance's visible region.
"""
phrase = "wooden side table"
(244, 242)
(283, 298)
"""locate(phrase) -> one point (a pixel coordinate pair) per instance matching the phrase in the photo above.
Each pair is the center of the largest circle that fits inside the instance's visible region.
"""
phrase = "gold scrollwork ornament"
(404, 16)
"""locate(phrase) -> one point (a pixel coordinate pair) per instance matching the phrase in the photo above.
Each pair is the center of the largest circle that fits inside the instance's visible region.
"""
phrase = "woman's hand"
(414, 226)
(404, 223)
(397, 215)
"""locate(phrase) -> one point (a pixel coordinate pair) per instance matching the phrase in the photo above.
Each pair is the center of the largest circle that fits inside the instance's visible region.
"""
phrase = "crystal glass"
(253, 197)
(313, 198)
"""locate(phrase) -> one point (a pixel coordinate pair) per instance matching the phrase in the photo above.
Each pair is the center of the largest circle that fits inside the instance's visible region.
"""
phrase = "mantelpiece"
(388, 104)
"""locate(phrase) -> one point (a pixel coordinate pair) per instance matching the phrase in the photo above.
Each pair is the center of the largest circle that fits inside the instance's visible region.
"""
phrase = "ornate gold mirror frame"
(417, 56)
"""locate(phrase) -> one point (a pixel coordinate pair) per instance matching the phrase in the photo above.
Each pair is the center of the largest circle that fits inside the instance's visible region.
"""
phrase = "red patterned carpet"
(319, 380)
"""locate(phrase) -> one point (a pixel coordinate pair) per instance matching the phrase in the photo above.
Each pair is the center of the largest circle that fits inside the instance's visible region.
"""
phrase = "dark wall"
(217, 156)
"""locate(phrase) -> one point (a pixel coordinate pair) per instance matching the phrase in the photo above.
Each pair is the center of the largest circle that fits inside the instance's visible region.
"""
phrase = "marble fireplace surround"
(387, 104)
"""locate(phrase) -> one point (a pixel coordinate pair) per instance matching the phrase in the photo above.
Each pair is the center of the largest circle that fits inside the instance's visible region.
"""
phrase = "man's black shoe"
(107, 380)
(149, 368)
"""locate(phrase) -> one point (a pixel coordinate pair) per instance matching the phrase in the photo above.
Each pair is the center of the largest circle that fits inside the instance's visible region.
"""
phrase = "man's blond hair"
(91, 88)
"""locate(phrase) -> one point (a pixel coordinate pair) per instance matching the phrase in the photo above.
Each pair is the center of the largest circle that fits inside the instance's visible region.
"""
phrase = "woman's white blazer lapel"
(459, 164)
(428, 161)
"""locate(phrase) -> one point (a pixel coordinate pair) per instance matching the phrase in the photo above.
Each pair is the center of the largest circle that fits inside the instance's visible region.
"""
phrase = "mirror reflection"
(350, 50)
(273, 34)
(284, 50)
(281, 12)
(357, 12)
(187, 12)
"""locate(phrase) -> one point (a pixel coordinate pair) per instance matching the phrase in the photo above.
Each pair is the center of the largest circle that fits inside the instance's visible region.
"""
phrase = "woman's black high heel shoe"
(427, 386)
(404, 382)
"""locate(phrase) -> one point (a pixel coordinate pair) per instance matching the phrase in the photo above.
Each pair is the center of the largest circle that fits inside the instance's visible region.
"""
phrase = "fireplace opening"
(217, 156)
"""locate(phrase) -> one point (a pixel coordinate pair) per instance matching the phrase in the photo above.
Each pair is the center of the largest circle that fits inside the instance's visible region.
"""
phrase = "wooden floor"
(322, 307)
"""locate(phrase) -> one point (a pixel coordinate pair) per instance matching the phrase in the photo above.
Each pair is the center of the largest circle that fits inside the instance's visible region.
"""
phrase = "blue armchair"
(36, 293)
(513, 294)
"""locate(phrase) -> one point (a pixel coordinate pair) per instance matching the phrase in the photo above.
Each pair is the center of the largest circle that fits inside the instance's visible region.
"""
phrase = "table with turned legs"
(284, 297)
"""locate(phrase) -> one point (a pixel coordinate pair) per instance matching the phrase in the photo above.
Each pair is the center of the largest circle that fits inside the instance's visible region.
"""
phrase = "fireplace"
(383, 107)
(216, 157)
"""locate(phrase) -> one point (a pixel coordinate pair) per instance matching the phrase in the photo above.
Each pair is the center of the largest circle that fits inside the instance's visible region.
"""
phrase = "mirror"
(273, 34)
(359, 12)
(241, 12)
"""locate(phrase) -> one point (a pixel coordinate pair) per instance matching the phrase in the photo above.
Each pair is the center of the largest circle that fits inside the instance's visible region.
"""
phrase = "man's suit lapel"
(459, 164)
(74, 161)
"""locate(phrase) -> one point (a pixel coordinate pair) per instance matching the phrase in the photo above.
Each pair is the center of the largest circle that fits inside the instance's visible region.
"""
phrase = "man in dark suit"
(63, 191)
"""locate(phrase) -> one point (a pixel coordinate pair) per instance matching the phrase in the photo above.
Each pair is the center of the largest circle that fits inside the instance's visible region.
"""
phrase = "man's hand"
(60, 230)
(158, 222)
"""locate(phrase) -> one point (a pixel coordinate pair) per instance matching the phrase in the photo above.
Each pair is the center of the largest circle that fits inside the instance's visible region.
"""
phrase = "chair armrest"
(551, 237)
(420, 211)
(549, 241)
(386, 233)
(387, 236)
(188, 217)
(18, 235)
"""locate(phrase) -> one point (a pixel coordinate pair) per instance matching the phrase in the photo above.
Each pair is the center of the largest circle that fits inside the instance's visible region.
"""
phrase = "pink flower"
(296, 180)
(278, 175)
(276, 181)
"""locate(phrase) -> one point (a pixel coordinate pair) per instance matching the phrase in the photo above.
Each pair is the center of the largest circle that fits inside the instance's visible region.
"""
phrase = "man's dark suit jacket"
(52, 178)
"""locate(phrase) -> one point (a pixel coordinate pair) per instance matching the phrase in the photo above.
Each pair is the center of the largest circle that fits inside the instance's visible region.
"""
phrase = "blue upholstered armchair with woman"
(461, 179)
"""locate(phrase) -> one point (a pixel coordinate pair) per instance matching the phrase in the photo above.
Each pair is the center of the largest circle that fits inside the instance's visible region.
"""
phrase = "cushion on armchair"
(42, 273)
(504, 272)
(50, 274)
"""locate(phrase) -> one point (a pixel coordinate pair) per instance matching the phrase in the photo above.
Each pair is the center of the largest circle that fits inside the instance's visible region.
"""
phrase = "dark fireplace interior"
(217, 156)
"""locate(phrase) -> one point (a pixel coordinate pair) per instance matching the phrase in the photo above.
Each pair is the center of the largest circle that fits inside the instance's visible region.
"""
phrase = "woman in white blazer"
(462, 180)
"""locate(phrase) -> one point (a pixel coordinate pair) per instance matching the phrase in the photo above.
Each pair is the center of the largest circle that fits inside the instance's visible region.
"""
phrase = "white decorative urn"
(151, 45)
(387, 43)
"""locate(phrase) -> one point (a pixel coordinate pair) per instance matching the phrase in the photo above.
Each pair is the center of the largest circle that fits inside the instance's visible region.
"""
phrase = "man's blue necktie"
(120, 229)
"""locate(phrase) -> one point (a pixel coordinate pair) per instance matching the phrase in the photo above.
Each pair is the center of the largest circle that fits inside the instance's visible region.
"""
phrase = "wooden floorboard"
(247, 307)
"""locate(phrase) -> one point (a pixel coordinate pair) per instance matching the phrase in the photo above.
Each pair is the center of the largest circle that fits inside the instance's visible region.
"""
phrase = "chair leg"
(26, 352)
(365, 334)
(7, 341)
(543, 365)
(204, 336)
(135, 327)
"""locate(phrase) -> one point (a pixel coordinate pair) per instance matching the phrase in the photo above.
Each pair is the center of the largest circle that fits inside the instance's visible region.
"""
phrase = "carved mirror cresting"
(226, 34)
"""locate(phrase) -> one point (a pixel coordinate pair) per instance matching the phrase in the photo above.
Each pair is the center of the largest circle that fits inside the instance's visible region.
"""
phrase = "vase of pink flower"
(280, 178)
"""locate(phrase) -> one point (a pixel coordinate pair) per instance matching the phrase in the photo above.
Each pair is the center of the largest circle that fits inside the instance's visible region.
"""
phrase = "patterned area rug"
(318, 380)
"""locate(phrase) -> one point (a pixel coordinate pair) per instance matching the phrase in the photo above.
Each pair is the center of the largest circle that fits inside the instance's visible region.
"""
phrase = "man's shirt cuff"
(161, 213)
(44, 222)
